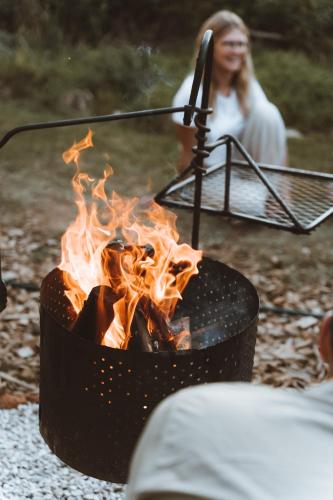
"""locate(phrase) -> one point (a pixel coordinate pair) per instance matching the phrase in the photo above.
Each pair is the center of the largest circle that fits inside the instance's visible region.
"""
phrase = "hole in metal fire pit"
(95, 400)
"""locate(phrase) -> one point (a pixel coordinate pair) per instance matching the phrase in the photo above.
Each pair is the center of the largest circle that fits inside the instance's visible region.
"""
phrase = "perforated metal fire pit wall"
(94, 400)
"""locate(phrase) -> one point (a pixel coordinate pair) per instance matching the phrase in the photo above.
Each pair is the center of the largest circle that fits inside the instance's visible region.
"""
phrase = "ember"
(124, 271)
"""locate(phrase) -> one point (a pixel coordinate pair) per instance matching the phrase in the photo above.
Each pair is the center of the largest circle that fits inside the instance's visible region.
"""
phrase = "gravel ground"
(286, 351)
(29, 470)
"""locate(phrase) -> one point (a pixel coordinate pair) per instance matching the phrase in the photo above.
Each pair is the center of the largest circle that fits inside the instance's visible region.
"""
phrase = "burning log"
(159, 270)
(151, 330)
(173, 336)
(160, 326)
(162, 336)
(164, 332)
(181, 332)
(141, 339)
(97, 314)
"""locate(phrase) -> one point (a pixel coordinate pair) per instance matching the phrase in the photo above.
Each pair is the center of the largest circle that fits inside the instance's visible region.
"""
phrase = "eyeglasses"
(228, 44)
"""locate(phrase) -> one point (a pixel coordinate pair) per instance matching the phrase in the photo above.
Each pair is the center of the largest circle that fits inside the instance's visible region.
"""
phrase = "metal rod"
(275, 168)
(246, 218)
(291, 312)
(86, 120)
(197, 209)
(3, 292)
(267, 183)
(206, 55)
(320, 219)
(69, 123)
(227, 177)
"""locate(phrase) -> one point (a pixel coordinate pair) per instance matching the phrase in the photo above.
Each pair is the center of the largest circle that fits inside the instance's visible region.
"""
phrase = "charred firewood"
(97, 314)
(181, 332)
(161, 330)
(141, 339)
(165, 336)
(161, 337)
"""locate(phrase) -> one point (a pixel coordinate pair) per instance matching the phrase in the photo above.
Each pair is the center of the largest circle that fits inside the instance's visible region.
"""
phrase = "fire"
(147, 265)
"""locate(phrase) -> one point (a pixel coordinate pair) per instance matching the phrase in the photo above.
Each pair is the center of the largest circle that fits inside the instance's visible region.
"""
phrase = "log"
(111, 258)
(181, 332)
(141, 339)
(162, 337)
(97, 314)
(162, 330)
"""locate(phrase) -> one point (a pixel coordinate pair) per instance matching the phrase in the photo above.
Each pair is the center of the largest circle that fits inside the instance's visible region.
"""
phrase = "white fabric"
(237, 441)
(263, 130)
(264, 135)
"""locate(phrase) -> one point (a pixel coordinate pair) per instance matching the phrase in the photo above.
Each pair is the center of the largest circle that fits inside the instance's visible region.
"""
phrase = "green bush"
(305, 24)
(125, 77)
(116, 77)
(302, 89)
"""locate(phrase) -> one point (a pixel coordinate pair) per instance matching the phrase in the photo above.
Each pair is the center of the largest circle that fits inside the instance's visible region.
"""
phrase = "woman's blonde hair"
(220, 23)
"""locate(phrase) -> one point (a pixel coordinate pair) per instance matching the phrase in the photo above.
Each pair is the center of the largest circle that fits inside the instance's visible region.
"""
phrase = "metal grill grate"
(309, 195)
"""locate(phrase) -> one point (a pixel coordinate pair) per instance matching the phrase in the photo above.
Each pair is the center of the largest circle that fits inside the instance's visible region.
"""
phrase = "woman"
(239, 103)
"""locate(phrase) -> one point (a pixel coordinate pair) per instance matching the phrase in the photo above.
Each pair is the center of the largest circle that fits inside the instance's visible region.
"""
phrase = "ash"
(29, 470)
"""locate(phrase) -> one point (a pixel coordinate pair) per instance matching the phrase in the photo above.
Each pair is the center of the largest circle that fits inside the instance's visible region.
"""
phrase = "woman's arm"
(186, 137)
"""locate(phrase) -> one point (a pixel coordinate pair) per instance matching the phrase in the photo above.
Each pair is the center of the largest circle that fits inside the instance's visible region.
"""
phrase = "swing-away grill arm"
(88, 120)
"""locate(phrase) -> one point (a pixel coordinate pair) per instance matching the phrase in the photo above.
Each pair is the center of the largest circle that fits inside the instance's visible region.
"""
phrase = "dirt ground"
(288, 270)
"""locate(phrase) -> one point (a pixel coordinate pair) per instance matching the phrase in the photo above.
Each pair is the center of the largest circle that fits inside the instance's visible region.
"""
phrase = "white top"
(237, 441)
(227, 117)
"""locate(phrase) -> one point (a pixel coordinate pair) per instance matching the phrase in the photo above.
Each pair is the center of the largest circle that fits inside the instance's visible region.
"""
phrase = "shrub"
(302, 89)
(126, 77)
(121, 74)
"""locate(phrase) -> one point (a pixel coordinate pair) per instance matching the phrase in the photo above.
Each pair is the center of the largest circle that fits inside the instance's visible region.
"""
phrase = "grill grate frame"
(308, 195)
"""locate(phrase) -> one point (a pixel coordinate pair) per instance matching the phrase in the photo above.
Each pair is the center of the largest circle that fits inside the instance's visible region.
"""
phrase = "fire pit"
(116, 339)
(94, 400)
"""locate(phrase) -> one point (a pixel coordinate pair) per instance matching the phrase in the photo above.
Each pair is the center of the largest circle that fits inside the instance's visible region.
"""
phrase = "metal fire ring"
(94, 401)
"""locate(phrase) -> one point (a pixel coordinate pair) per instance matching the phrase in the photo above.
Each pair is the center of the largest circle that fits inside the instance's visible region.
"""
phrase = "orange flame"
(146, 265)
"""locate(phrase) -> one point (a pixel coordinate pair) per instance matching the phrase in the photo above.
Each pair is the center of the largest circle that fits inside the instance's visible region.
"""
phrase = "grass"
(35, 177)
(32, 166)
(314, 152)
(301, 87)
(36, 185)
(109, 77)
